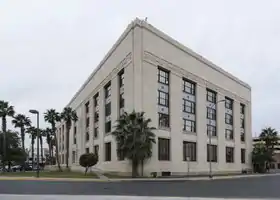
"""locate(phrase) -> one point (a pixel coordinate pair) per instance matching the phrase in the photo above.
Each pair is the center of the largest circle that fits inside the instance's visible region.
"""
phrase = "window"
(87, 122)
(107, 90)
(242, 123)
(188, 106)
(108, 109)
(189, 151)
(162, 98)
(120, 154)
(211, 96)
(211, 130)
(163, 76)
(108, 127)
(228, 119)
(95, 132)
(96, 117)
(87, 136)
(212, 153)
(75, 135)
(242, 137)
(211, 113)
(163, 149)
(96, 150)
(229, 134)
(108, 151)
(121, 101)
(189, 87)
(87, 107)
(243, 155)
(121, 78)
(228, 103)
(96, 99)
(189, 125)
(163, 120)
(229, 154)
(73, 156)
(87, 150)
(242, 109)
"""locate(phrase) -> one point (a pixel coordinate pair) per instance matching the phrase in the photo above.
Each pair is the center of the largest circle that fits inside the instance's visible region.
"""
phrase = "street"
(257, 187)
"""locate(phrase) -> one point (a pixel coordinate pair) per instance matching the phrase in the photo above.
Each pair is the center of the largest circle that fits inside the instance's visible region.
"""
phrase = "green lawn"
(51, 174)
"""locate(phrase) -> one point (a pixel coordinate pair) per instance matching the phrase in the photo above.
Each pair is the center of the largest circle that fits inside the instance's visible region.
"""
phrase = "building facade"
(187, 98)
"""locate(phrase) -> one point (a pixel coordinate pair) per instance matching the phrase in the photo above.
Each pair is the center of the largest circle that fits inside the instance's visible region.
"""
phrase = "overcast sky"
(49, 47)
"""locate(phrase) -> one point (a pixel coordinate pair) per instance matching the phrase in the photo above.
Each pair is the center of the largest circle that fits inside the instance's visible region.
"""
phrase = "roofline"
(144, 24)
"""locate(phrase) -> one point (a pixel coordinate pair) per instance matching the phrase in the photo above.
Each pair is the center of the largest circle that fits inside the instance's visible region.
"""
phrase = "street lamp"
(210, 140)
(38, 134)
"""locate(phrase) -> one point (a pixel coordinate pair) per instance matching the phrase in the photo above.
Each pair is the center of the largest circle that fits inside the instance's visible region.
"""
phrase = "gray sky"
(49, 47)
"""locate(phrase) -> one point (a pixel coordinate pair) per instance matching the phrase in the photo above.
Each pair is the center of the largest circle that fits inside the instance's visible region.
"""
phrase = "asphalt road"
(257, 187)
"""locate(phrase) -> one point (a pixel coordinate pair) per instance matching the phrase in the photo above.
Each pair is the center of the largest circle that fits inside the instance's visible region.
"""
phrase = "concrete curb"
(134, 179)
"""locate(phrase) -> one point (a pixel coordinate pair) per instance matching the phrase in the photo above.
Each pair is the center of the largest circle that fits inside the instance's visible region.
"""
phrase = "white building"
(148, 71)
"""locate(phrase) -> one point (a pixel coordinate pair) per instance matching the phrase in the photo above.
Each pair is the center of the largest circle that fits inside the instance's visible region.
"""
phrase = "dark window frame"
(163, 120)
(209, 129)
(108, 151)
(163, 76)
(165, 98)
(192, 154)
(189, 87)
(211, 113)
(229, 135)
(243, 155)
(107, 90)
(229, 154)
(121, 78)
(192, 125)
(211, 96)
(228, 119)
(214, 152)
(228, 103)
(191, 106)
(108, 109)
(108, 127)
(164, 149)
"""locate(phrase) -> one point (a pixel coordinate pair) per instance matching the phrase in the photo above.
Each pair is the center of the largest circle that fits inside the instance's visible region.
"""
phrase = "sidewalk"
(135, 179)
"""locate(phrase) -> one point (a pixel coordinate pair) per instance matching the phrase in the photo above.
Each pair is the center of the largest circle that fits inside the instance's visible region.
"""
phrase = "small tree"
(88, 160)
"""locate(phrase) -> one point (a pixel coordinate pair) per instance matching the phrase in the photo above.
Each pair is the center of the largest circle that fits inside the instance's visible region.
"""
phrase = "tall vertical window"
(211, 96)
(189, 151)
(87, 107)
(87, 122)
(163, 76)
(188, 87)
(108, 151)
(229, 134)
(188, 106)
(96, 99)
(108, 109)
(228, 119)
(96, 149)
(163, 149)
(243, 155)
(189, 125)
(95, 132)
(107, 90)
(121, 101)
(211, 130)
(163, 98)
(120, 154)
(229, 154)
(121, 78)
(87, 136)
(108, 127)
(242, 122)
(228, 103)
(211, 113)
(212, 153)
(75, 135)
(163, 120)
(242, 109)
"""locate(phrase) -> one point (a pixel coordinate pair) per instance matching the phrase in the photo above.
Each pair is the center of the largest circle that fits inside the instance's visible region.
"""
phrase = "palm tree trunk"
(41, 146)
(56, 148)
(134, 168)
(67, 146)
(4, 129)
(22, 145)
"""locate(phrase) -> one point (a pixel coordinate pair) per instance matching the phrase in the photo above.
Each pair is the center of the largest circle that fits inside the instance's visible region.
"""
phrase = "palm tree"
(5, 110)
(33, 134)
(21, 121)
(134, 138)
(68, 115)
(41, 144)
(270, 138)
(51, 116)
(49, 139)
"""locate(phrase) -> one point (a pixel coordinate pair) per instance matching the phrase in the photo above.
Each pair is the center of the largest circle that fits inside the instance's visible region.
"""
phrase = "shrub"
(88, 160)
